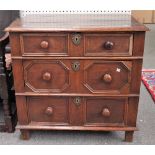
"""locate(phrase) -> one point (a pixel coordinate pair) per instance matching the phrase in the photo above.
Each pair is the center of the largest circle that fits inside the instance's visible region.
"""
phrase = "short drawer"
(106, 111)
(48, 110)
(108, 44)
(44, 44)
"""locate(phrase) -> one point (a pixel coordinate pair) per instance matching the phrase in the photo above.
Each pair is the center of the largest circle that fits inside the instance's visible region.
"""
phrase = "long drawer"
(86, 111)
(77, 76)
(76, 44)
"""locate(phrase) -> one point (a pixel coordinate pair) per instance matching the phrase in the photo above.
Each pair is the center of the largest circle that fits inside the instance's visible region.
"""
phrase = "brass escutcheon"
(76, 66)
(76, 38)
(77, 101)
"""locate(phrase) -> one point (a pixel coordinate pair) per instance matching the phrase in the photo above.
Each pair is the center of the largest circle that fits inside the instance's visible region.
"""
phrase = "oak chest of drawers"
(77, 77)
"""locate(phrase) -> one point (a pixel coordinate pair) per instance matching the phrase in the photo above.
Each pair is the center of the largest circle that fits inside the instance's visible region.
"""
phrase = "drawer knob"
(44, 44)
(47, 76)
(107, 78)
(108, 45)
(106, 112)
(49, 111)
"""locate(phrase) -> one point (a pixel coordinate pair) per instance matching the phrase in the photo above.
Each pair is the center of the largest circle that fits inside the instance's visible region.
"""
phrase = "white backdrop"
(78, 4)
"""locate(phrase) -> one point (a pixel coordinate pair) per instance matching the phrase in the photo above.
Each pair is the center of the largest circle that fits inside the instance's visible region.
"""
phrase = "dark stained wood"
(7, 95)
(77, 74)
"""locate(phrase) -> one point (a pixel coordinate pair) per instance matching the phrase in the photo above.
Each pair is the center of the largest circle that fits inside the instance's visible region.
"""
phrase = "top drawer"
(76, 44)
(44, 44)
(108, 44)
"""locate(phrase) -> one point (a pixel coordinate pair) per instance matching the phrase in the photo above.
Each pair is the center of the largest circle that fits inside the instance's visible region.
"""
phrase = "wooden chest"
(77, 77)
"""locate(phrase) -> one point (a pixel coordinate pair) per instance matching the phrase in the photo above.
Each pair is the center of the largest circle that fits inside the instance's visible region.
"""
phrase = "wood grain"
(71, 76)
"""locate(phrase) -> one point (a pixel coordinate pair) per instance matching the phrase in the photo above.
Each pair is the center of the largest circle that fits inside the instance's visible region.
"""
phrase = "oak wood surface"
(108, 44)
(77, 75)
(71, 24)
(38, 106)
(34, 126)
(54, 44)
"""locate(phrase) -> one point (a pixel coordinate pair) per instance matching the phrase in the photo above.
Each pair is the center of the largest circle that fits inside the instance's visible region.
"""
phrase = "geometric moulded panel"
(107, 76)
(46, 76)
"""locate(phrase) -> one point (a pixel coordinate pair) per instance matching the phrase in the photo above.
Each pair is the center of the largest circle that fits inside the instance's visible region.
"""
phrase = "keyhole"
(76, 39)
(76, 66)
(77, 101)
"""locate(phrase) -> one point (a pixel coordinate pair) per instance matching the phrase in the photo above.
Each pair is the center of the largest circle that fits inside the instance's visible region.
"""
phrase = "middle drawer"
(77, 76)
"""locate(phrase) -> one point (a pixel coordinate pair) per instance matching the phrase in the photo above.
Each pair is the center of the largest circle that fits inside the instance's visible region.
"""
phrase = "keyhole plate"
(77, 101)
(76, 66)
(76, 38)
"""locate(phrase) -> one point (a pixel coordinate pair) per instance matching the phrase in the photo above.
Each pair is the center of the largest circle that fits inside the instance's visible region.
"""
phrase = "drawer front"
(87, 111)
(46, 76)
(106, 111)
(107, 76)
(108, 44)
(44, 44)
(77, 76)
(48, 110)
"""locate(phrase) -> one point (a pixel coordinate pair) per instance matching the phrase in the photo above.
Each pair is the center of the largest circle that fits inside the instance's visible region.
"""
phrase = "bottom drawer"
(106, 111)
(77, 111)
(48, 110)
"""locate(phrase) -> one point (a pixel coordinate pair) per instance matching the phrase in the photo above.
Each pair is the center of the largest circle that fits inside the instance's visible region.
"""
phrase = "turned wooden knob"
(107, 78)
(105, 112)
(49, 111)
(108, 45)
(47, 76)
(44, 44)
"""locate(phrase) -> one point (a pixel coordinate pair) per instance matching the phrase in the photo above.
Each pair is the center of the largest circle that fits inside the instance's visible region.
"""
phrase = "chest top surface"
(75, 22)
